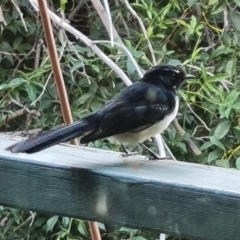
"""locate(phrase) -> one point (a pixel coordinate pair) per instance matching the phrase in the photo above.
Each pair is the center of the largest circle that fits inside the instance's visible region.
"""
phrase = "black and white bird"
(138, 112)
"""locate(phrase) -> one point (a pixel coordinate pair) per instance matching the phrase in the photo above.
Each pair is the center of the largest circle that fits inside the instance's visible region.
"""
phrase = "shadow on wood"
(182, 199)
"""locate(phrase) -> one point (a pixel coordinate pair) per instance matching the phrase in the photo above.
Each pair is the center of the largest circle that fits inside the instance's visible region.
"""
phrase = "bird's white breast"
(141, 136)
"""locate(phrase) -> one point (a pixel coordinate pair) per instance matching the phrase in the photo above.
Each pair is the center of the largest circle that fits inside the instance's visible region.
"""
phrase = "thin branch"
(2, 20)
(12, 100)
(104, 17)
(169, 151)
(70, 45)
(205, 125)
(30, 218)
(205, 29)
(127, 53)
(191, 144)
(123, 20)
(143, 30)
(22, 133)
(195, 130)
(13, 115)
(34, 214)
(225, 19)
(25, 57)
(49, 77)
(38, 52)
(160, 144)
(43, 90)
(20, 14)
(109, 21)
(75, 10)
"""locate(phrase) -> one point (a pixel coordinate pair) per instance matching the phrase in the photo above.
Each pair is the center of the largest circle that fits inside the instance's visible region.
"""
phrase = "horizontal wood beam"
(177, 198)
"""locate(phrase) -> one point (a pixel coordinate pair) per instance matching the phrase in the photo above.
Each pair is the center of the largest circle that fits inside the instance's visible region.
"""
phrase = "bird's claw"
(157, 157)
(128, 154)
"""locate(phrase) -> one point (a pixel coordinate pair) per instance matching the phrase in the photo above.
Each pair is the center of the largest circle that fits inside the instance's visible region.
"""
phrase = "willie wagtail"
(138, 112)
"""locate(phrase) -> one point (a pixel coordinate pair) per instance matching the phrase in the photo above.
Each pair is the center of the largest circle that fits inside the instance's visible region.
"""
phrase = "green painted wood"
(182, 199)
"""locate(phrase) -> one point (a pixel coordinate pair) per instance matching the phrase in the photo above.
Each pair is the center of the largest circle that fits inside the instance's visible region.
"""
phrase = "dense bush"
(202, 36)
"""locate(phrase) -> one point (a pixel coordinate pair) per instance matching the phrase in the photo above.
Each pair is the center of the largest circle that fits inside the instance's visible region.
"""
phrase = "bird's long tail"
(47, 139)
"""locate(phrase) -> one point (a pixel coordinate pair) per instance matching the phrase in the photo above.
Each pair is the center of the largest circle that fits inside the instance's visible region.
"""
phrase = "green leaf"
(7, 47)
(213, 88)
(150, 31)
(193, 22)
(217, 78)
(82, 229)
(10, 59)
(235, 19)
(16, 82)
(214, 155)
(96, 68)
(206, 145)
(31, 92)
(139, 54)
(138, 238)
(149, 13)
(212, 2)
(13, 83)
(221, 50)
(101, 226)
(65, 221)
(95, 105)
(222, 129)
(219, 9)
(85, 97)
(230, 66)
(238, 163)
(174, 62)
(51, 223)
(23, 48)
(144, 4)
(191, 2)
(223, 163)
(17, 42)
(76, 66)
(127, 230)
(63, 5)
(204, 74)
(159, 35)
(130, 66)
(183, 23)
(217, 143)
(237, 2)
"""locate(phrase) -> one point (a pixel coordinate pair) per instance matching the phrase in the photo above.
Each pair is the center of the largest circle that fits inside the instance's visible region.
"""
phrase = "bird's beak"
(189, 76)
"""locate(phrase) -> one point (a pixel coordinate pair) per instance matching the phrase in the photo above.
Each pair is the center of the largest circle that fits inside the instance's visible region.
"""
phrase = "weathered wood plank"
(183, 199)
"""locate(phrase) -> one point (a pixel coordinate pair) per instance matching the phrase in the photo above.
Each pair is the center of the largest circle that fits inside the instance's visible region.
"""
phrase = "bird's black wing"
(135, 109)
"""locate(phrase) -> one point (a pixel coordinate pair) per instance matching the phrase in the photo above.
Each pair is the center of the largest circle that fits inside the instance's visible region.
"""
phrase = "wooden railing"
(177, 198)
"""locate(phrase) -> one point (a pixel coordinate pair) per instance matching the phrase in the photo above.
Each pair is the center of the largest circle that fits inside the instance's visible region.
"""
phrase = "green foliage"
(203, 36)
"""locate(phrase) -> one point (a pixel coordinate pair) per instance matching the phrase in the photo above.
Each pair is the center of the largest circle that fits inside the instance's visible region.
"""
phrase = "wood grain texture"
(182, 199)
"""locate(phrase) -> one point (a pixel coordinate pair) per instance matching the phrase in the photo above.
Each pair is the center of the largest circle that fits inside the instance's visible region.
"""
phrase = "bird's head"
(167, 75)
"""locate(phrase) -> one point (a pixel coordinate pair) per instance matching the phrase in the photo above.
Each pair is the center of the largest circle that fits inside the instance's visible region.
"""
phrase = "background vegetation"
(203, 36)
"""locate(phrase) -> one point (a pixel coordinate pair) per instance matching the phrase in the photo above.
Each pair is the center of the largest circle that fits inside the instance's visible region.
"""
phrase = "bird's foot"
(157, 157)
(127, 153)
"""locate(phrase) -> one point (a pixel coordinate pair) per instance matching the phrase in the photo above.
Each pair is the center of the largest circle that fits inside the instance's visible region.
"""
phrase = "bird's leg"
(153, 155)
(127, 152)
